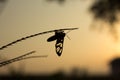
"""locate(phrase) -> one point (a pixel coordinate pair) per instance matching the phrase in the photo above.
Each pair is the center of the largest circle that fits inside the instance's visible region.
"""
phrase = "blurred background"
(91, 49)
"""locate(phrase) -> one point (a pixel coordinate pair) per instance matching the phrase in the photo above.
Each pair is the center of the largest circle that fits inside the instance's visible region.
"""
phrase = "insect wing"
(52, 38)
(59, 46)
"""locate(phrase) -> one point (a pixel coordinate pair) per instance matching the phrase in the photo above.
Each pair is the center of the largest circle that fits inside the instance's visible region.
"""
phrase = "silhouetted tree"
(115, 66)
(2, 4)
(106, 10)
(59, 1)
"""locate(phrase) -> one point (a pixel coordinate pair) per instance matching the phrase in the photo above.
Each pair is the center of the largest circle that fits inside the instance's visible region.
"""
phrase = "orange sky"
(86, 49)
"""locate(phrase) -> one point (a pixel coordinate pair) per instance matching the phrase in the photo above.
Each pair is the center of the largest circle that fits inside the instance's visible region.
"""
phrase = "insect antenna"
(68, 37)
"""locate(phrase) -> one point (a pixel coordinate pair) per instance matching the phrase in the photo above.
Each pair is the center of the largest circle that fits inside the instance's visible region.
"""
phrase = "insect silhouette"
(59, 37)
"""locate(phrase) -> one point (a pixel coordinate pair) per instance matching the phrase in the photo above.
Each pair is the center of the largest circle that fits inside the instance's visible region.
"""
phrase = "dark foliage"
(106, 10)
(2, 4)
(59, 1)
(3, 0)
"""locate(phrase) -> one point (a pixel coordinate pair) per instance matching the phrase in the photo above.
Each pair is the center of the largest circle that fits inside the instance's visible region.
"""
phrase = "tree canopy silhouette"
(2, 4)
(59, 1)
(106, 10)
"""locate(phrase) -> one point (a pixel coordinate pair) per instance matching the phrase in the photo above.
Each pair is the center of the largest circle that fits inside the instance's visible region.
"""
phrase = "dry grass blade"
(15, 59)
(30, 36)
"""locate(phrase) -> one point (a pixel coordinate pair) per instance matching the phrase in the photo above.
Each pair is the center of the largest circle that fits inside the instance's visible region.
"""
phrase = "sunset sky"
(88, 49)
